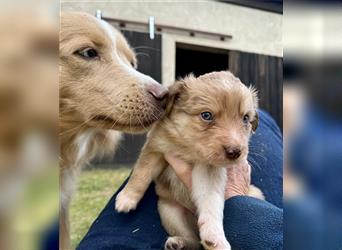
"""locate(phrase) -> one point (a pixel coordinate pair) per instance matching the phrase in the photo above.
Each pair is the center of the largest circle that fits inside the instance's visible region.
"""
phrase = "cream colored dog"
(101, 93)
(208, 124)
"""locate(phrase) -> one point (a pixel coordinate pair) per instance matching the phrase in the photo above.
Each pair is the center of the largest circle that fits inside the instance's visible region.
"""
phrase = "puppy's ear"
(255, 122)
(175, 91)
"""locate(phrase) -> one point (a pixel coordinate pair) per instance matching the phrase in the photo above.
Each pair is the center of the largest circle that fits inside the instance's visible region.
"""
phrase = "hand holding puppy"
(238, 176)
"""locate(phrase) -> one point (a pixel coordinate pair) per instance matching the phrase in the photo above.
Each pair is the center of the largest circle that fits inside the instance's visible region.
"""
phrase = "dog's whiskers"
(130, 123)
(258, 155)
(143, 54)
(253, 164)
(140, 122)
(145, 47)
(76, 128)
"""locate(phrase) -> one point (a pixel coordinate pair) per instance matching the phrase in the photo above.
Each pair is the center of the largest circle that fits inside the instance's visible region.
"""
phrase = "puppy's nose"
(232, 152)
(158, 91)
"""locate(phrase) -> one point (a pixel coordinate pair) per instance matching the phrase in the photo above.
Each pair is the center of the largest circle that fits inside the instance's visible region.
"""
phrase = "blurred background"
(173, 39)
(28, 123)
(313, 124)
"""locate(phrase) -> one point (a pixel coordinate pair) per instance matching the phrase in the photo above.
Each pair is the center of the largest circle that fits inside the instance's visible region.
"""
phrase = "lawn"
(95, 187)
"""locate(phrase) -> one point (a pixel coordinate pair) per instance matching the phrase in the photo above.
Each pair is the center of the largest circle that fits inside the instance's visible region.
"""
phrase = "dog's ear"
(175, 91)
(255, 121)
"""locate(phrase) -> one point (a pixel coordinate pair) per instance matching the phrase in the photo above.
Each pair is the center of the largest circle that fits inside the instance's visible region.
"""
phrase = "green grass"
(95, 188)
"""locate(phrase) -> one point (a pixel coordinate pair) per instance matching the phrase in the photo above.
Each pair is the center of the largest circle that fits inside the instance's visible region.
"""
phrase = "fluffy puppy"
(101, 94)
(208, 124)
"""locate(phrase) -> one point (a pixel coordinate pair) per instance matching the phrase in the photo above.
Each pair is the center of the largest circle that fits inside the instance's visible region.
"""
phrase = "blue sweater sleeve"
(251, 224)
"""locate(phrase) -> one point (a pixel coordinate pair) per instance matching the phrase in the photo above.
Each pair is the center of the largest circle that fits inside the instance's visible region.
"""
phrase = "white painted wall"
(253, 30)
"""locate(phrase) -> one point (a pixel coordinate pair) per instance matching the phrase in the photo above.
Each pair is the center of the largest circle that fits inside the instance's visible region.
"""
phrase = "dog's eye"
(88, 53)
(245, 119)
(207, 116)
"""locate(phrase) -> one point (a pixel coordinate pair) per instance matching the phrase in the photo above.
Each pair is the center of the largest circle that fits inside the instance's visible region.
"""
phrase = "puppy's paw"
(125, 202)
(181, 243)
(174, 243)
(214, 244)
(211, 239)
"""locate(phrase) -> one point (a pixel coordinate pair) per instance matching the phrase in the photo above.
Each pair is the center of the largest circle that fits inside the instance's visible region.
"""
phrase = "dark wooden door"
(266, 74)
(149, 62)
(148, 52)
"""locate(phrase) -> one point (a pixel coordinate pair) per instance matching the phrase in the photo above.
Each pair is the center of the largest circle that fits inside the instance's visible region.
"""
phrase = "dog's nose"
(232, 152)
(158, 91)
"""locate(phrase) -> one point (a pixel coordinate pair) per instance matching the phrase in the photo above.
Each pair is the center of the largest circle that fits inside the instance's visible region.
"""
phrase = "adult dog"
(101, 95)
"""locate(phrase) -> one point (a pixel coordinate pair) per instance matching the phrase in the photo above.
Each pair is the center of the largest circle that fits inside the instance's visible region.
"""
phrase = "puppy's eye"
(207, 116)
(245, 119)
(88, 53)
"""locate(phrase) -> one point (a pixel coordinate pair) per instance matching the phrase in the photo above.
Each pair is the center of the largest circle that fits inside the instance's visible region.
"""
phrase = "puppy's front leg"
(147, 168)
(208, 185)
